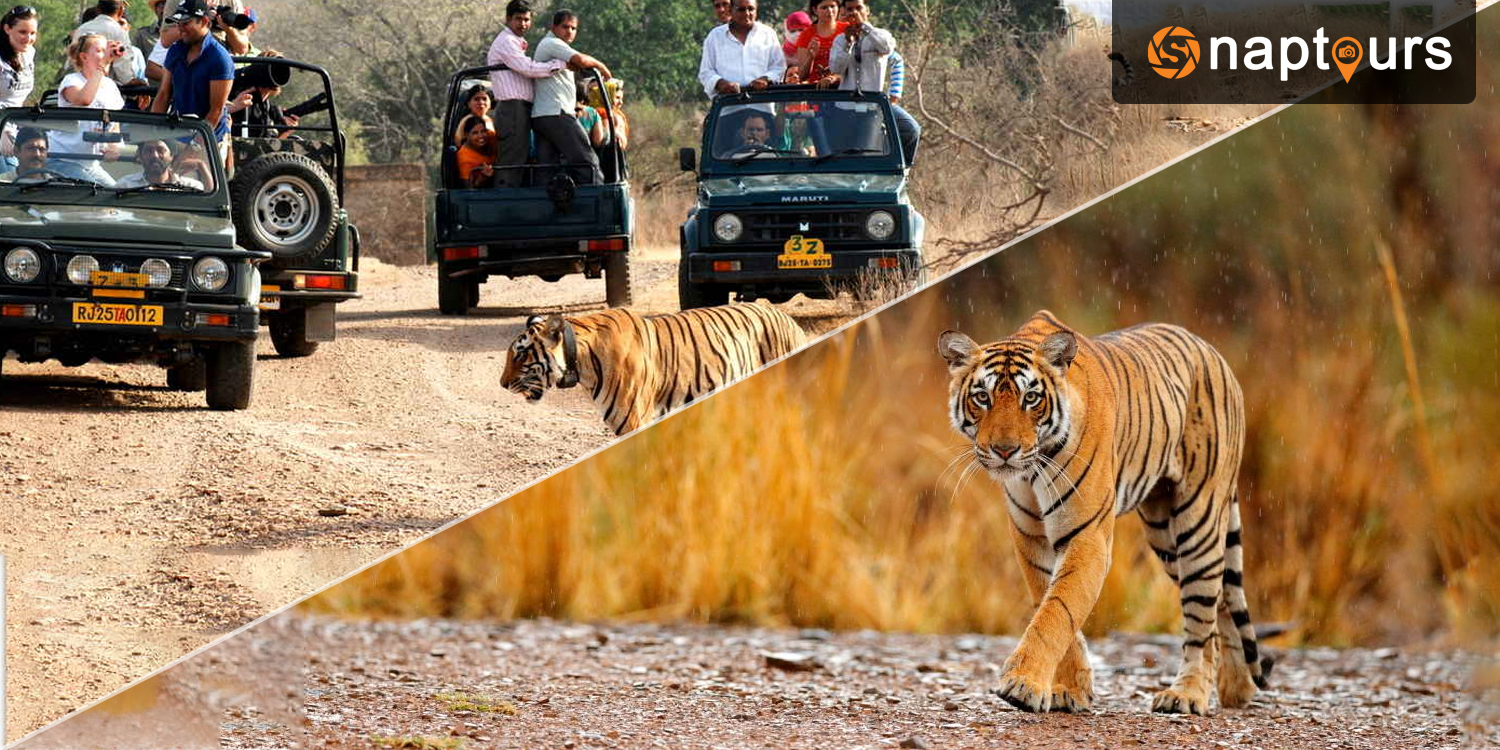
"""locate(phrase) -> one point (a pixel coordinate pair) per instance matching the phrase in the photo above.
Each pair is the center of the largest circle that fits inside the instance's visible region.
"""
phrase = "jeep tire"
(691, 295)
(284, 204)
(455, 295)
(289, 333)
(617, 291)
(191, 376)
(231, 375)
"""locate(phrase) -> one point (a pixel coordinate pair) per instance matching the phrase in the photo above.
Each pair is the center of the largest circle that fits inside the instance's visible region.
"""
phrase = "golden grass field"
(1354, 296)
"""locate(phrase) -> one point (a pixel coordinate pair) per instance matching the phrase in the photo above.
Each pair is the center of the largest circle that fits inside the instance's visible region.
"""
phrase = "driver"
(756, 130)
(155, 158)
(31, 156)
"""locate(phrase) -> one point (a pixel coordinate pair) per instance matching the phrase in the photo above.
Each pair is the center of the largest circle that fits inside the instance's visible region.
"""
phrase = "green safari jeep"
(799, 191)
(109, 249)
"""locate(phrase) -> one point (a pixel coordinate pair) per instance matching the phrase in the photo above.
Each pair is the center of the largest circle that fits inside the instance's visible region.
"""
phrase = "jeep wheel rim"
(286, 213)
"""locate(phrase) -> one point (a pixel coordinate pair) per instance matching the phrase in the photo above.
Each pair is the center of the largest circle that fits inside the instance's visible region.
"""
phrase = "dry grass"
(820, 492)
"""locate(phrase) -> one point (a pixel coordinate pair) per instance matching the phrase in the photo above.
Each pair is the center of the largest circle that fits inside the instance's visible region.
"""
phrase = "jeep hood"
(74, 223)
(804, 189)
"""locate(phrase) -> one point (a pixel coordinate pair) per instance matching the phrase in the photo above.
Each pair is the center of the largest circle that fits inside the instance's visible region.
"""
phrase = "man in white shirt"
(559, 139)
(741, 54)
(155, 158)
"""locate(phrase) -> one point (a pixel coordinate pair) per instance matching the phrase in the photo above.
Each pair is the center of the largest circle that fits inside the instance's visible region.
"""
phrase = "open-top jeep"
(799, 190)
(549, 226)
(108, 250)
(287, 196)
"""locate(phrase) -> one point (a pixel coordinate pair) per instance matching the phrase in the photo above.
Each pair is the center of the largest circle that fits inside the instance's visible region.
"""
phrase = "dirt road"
(138, 526)
(441, 684)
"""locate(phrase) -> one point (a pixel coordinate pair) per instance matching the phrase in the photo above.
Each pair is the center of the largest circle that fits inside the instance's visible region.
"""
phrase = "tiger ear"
(1059, 349)
(957, 348)
(552, 328)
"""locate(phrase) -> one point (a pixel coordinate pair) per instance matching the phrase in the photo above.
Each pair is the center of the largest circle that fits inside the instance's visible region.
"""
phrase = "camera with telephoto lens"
(237, 21)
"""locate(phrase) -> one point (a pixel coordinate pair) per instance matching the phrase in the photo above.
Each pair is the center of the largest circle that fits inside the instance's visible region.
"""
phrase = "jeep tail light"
(18, 311)
(460, 253)
(213, 319)
(596, 246)
(726, 266)
(884, 264)
(318, 281)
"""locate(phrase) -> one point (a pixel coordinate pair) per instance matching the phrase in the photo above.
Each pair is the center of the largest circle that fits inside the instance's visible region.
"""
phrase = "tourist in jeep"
(860, 56)
(31, 157)
(88, 86)
(155, 158)
(559, 139)
(741, 54)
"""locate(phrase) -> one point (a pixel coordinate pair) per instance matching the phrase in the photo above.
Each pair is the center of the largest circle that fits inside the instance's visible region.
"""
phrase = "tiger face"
(1010, 398)
(532, 363)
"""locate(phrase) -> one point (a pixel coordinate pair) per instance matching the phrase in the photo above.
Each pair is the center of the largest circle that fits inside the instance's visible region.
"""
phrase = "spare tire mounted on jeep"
(285, 204)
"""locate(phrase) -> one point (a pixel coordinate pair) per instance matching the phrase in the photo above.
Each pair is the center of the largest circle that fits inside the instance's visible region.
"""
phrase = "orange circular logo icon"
(1174, 52)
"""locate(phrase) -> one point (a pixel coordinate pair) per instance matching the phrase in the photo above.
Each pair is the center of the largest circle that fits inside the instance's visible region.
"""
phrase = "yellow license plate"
(114, 278)
(268, 298)
(803, 252)
(95, 313)
(109, 283)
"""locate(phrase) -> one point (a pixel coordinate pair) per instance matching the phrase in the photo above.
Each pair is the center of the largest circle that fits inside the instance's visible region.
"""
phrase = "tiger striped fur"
(638, 368)
(1079, 431)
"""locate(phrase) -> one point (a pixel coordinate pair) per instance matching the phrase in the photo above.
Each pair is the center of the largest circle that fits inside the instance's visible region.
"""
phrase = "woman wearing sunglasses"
(17, 72)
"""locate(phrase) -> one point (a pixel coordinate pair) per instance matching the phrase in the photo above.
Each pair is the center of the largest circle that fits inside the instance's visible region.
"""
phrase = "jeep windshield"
(776, 132)
(71, 154)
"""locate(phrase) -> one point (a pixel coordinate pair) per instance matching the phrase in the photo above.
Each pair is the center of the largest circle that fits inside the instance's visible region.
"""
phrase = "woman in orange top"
(815, 44)
(476, 157)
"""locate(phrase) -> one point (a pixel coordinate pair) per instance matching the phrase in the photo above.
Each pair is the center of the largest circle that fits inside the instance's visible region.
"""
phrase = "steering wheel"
(749, 148)
(39, 170)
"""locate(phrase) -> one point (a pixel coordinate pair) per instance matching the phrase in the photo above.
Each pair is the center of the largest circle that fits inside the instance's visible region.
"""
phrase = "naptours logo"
(1174, 53)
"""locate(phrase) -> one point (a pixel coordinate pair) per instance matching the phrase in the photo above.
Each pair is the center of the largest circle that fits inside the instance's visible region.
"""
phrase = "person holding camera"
(89, 85)
(860, 56)
(250, 109)
(197, 73)
(109, 22)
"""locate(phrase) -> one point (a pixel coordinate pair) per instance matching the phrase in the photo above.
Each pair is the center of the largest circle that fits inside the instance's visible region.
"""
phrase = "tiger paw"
(1177, 700)
(1024, 692)
(1071, 699)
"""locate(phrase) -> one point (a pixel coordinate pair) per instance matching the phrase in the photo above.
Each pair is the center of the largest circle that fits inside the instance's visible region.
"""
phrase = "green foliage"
(654, 45)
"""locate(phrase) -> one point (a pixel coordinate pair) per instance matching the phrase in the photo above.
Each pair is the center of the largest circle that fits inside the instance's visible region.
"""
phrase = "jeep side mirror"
(688, 159)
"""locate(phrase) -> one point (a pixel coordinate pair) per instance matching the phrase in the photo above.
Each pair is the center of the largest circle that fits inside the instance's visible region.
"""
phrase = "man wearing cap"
(514, 89)
(197, 71)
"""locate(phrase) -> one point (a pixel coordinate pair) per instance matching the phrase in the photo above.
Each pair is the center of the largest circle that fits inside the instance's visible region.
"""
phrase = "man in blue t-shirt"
(198, 71)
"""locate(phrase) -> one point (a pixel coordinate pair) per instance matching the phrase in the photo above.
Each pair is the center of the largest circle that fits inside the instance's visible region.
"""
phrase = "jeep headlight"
(158, 272)
(880, 225)
(210, 274)
(728, 227)
(81, 269)
(22, 265)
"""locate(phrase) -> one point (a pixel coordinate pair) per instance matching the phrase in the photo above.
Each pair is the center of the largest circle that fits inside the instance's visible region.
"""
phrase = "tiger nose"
(1005, 450)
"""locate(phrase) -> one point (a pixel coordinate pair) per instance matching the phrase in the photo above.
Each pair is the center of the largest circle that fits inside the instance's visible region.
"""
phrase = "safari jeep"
(107, 251)
(549, 226)
(799, 191)
(287, 198)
